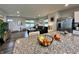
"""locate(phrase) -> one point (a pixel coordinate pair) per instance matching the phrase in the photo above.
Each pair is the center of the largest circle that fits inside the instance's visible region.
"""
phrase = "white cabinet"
(75, 32)
(13, 26)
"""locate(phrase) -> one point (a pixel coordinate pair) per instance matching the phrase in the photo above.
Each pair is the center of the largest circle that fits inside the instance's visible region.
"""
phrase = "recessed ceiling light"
(66, 5)
(18, 12)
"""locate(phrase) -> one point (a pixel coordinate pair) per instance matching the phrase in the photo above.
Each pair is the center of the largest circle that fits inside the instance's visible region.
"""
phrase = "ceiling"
(32, 10)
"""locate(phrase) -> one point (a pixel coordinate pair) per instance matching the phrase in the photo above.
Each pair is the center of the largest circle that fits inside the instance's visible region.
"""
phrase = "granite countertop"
(69, 45)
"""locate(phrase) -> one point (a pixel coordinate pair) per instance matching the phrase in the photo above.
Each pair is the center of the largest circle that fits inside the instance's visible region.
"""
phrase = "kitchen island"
(69, 44)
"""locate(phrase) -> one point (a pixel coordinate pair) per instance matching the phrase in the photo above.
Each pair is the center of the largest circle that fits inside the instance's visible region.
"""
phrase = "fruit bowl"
(45, 40)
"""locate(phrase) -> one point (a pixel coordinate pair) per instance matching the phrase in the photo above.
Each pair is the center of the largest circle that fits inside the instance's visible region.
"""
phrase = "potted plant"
(3, 28)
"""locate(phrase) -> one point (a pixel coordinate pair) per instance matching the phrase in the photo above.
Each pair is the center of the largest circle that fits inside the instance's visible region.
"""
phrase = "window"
(29, 23)
(46, 23)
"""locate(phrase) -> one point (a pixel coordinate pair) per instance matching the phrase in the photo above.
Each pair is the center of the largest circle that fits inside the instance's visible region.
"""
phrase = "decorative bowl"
(45, 40)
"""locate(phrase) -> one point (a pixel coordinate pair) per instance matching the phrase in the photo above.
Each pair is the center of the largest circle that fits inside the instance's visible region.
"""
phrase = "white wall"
(53, 24)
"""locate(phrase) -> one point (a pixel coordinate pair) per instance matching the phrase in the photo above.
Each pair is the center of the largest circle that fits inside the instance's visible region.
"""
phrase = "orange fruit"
(57, 37)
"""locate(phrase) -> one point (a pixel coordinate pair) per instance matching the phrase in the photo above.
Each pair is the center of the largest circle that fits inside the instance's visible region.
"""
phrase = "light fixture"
(9, 20)
(39, 15)
(18, 12)
(66, 5)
